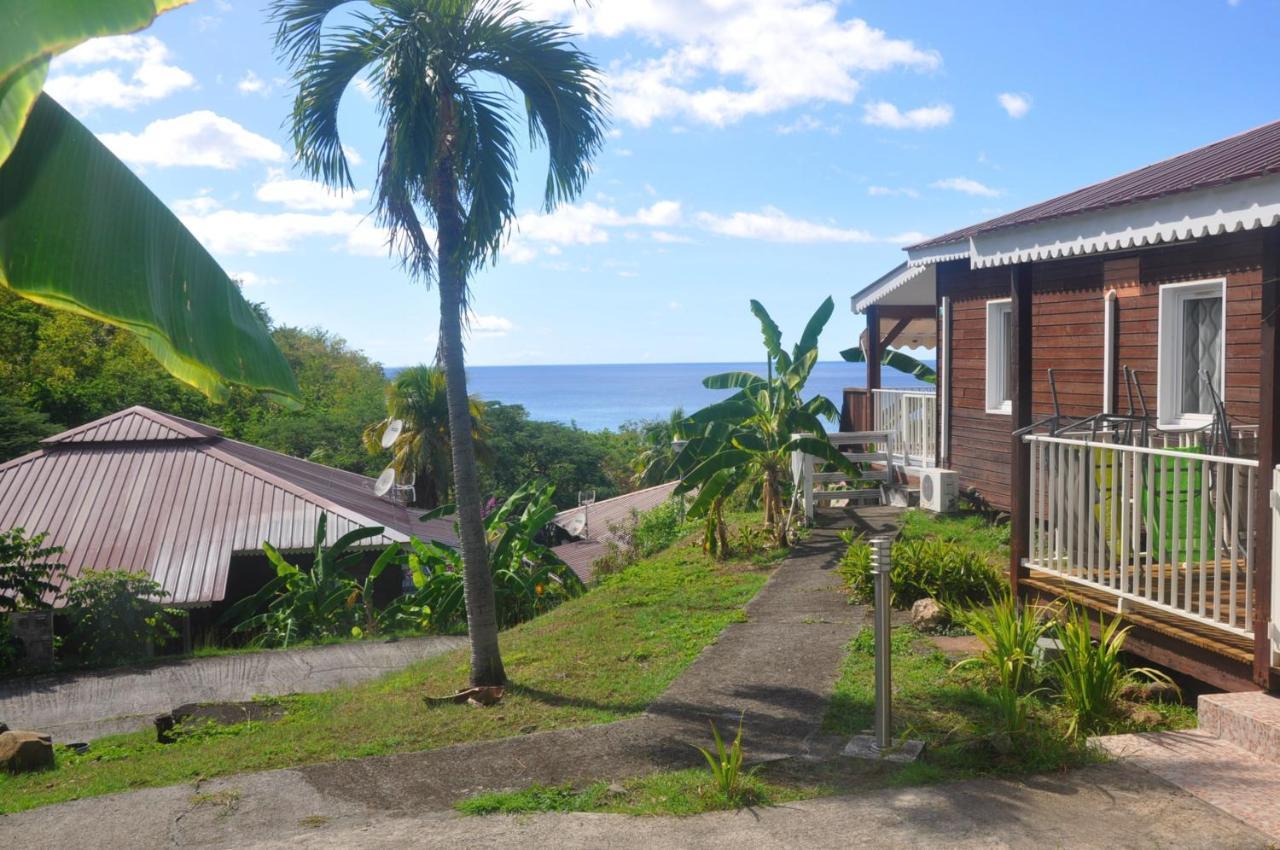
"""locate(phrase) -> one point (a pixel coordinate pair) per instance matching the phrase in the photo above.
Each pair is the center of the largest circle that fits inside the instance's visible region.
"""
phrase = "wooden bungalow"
(1146, 486)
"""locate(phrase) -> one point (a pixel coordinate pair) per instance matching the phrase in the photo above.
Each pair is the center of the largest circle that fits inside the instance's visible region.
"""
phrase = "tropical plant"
(726, 764)
(448, 158)
(117, 616)
(68, 204)
(528, 578)
(308, 604)
(1092, 676)
(417, 397)
(921, 568)
(1010, 635)
(28, 570)
(750, 437)
(652, 464)
(898, 360)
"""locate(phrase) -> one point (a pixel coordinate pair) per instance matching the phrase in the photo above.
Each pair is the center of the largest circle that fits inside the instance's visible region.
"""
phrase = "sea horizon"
(600, 396)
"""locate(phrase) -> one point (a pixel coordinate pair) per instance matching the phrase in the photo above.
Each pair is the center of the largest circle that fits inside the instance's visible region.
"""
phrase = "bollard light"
(881, 564)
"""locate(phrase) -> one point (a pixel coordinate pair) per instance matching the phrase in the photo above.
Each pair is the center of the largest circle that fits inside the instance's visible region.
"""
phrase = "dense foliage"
(28, 569)
(922, 568)
(117, 617)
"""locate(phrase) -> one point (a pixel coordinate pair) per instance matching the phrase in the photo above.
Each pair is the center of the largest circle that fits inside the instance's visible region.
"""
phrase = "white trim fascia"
(1171, 295)
(958, 250)
(886, 284)
(1229, 208)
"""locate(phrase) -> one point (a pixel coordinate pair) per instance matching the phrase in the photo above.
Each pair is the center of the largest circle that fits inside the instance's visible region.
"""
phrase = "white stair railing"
(911, 416)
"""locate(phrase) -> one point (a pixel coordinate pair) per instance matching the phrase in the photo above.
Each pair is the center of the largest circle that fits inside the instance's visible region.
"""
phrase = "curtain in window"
(1201, 352)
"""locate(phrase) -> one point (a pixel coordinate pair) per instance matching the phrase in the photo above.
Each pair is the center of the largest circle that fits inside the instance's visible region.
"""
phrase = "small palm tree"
(417, 397)
(448, 158)
(652, 464)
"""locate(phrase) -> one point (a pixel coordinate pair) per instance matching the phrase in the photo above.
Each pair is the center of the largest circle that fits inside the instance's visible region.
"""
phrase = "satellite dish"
(392, 433)
(384, 482)
(576, 525)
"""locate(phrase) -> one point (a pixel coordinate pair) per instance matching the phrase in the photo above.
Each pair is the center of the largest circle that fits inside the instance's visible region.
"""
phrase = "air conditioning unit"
(939, 490)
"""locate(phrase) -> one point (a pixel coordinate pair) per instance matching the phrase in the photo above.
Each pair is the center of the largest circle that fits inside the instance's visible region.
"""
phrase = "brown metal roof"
(1250, 154)
(142, 490)
(607, 521)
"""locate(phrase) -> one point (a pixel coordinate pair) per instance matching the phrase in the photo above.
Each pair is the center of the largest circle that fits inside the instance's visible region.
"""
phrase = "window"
(1192, 349)
(999, 359)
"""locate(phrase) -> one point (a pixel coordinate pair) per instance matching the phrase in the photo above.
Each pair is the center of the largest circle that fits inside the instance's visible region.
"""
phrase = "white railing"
(1167, 527)
(1274, 626)
(911, 416)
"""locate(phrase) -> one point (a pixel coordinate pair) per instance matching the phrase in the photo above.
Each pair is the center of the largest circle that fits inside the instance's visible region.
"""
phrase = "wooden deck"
(1198, 649)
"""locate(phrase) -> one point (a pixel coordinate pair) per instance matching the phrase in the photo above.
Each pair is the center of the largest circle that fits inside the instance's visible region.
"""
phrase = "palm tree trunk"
(477, 580)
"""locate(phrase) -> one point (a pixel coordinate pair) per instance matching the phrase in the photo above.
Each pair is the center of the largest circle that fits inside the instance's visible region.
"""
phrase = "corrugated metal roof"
(1250, 154)
(141, 490)
(607, 519)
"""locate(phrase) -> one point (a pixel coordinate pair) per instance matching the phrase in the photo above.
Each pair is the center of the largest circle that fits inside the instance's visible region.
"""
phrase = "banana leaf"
(897, 360)
(80, 232)
(34, 31)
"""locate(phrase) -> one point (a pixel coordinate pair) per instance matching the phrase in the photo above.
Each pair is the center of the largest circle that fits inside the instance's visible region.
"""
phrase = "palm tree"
(418, 398)
(448, 158)
(652, 464)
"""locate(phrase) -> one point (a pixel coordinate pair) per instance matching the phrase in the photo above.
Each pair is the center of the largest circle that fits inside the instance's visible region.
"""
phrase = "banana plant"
(306, 604)
(748, 438)
(897, 360)
(68, 205)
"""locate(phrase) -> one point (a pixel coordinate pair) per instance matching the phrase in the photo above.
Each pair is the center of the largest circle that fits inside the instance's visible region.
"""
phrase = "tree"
(448, 158)
(67, 204)
(751, 436)
(418, 398)
(21, 429)
(895, 359)
(652, 464)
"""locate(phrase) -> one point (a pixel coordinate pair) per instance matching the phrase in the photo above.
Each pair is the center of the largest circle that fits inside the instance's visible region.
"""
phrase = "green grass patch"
(597, 658)
(965, 528)
(680, 793)
(953, 712)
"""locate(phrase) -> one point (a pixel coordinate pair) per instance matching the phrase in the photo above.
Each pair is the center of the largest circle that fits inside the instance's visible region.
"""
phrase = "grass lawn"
(965, 528)
(952, 712)
(598, 658)
(680, 793)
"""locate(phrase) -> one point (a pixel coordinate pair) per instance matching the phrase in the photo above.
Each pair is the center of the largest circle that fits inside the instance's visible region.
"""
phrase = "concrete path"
(84, 706)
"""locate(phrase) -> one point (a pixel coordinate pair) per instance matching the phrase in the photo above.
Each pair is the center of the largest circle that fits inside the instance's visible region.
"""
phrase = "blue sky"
(776, 149)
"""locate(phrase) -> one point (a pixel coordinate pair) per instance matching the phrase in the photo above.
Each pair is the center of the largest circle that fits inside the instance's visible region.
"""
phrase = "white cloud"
(884, 114)
(202, 204)
(773, 225)
(353, 155)
(201, 138)
(253, 279)
(967, 186)
(1017, 105)
(226, 231)
(580, 224)
(890, 191)
(480, 325)
(724, 60)
(805, 124)
(669, 238)
(306, 195)
(251, 83)
(143, 60)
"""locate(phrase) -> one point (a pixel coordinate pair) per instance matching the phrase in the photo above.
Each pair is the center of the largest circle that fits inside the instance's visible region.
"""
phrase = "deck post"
(1268, 444)
(1020, 394)
(873, 356)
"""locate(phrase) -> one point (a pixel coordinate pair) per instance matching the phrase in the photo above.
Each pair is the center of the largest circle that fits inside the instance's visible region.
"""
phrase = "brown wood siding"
(1067, 311)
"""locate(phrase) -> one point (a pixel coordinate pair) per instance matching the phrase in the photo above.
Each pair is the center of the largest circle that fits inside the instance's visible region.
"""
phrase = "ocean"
(606, 396)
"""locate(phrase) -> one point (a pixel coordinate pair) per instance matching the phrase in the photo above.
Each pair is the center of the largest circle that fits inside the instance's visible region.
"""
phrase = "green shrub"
(725, 765)
(1009, 633)
(924, 568)
(27, 570)
(645, 535)
(1091, 675)
(117, 617)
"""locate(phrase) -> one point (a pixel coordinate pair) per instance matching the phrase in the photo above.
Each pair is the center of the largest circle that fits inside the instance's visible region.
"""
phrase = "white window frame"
(1169, 350)
(998, 357)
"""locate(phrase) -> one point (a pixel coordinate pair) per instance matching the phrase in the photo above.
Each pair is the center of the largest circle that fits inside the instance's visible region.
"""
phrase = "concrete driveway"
(84, 706)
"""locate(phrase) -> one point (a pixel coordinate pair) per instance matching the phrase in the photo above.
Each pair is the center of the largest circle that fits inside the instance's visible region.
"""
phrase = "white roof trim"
(958, 250)
(884, 285)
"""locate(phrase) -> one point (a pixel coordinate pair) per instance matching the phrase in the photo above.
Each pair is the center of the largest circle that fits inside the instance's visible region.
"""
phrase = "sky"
(783, 150)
